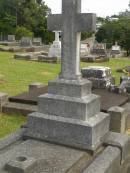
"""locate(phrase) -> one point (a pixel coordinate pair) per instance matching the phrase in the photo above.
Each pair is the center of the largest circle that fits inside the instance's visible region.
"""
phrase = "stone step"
(29, 97)
(18, 108)
(66, 131)
(71, 107)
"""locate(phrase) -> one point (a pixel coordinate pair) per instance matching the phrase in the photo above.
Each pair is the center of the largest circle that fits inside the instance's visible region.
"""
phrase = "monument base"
(33, 156)
(69, 115)
(66, 131)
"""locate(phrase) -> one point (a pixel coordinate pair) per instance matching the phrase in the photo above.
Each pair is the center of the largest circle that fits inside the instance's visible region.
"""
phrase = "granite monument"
(69, 114)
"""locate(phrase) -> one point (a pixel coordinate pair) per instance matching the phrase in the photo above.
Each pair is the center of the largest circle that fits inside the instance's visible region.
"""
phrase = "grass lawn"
(10, 123)
(16, 75)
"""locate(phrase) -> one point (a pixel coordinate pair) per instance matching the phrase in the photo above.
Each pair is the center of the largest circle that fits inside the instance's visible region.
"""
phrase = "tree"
(113, 31)
(22, 32)
(86, 35)
(30, 14)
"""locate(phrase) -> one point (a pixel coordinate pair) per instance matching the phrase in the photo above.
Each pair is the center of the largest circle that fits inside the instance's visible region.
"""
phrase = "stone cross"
(71, 22)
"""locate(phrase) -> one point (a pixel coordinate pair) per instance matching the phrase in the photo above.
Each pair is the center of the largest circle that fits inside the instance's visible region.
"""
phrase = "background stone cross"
(71, 22)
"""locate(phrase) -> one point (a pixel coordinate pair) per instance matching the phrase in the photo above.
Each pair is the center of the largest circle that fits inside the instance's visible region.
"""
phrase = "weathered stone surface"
(18, 108)
(106, 162)
(61, 111)
(99, 76)
(71, 23)
(73, 88)
(45, 58)
(21, 164)
(34, 86)
(11, 139)
(50, 158)
(118, 119)
(71, 107)
(67, 131)
(121, 141)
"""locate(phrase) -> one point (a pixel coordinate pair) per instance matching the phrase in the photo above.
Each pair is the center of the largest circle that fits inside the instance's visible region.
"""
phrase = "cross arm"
(86, 22)
(54, 22)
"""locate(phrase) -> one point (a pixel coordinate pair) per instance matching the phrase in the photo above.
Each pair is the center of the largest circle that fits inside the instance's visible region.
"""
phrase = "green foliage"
(22, 32)
(100, 19)
(113, 31)
(29, 15)
(86, 35)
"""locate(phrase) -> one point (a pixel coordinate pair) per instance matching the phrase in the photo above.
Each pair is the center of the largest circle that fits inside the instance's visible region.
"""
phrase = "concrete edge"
(120, 141)
(10, 139)
(107, 162)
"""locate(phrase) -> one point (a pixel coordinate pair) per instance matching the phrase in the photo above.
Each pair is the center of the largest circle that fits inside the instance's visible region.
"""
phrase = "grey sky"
(101, 7)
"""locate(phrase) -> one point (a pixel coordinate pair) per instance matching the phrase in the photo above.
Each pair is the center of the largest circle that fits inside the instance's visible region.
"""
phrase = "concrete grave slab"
(48, 158)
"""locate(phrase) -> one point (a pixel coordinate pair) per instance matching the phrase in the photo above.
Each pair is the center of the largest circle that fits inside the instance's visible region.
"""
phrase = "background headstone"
(26, 42)
(37, 41)
(11, 38)
(99, 49)
(116, 50)
(116, 47)
(85, 49)
(55, 49)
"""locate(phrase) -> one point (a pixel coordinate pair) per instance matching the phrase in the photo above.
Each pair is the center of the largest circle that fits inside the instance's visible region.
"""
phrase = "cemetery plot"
(68, 116)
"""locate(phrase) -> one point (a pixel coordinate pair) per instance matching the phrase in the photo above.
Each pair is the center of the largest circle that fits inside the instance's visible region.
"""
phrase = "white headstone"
(55, 49)
(116, 47)
(85, 49)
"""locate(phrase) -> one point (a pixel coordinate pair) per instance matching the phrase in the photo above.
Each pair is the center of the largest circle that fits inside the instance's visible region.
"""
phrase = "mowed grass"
(10, 123)
(16, 75)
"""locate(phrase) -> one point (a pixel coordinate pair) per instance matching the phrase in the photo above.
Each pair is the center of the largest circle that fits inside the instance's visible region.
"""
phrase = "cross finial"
(71, 23)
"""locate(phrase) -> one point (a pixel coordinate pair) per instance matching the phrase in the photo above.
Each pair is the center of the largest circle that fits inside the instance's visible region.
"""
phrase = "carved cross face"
(71, 22)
